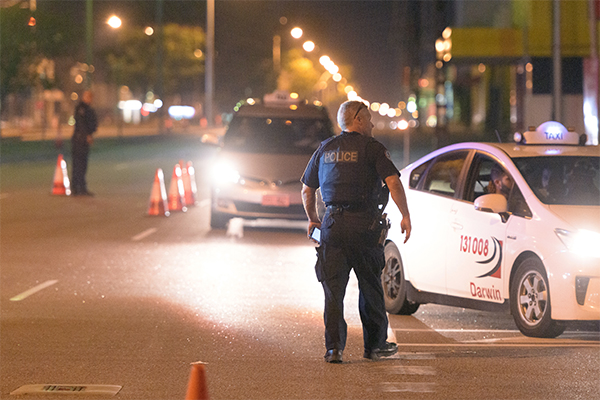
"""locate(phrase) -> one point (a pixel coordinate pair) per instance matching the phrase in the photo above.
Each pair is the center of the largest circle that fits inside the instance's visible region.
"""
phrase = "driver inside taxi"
(500, 181)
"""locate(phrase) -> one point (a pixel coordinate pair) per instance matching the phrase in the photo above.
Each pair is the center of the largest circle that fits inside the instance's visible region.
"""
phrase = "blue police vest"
(345, 175)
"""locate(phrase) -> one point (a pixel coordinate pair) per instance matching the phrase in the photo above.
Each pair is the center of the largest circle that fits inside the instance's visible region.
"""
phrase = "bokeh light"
(308, 46)
(114, 22)
(296, 33)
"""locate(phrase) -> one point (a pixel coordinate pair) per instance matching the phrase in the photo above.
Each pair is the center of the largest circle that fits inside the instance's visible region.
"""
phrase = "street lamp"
(114, 22)
(296, 33)
(308, 46)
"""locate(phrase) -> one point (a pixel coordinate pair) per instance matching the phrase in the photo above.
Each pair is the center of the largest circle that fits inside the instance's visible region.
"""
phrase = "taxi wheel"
(394, 284)
(218, 220)
(530, 301)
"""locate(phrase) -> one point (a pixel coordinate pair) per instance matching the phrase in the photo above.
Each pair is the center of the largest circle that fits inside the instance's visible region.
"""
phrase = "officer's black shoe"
(334, 356)
(388, 350)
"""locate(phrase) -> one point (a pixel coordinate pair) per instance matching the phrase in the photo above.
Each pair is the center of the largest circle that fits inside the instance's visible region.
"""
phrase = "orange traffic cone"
(61, 185)
(188, 176)
(197, 388)
(158, 197)
(176, 191)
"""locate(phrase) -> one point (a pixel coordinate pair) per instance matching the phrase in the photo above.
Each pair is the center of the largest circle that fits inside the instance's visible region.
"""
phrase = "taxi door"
(476, 242)
(425, 253)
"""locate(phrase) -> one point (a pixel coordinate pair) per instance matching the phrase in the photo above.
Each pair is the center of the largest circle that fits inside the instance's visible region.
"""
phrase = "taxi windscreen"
(276, 135)
(569, 180)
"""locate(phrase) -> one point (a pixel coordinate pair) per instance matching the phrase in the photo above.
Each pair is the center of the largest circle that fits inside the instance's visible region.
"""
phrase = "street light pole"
(158, 90)
(277, 53)
(557, 63)
(593, 130)
(89, 35)
(406, 147)
(209, 63)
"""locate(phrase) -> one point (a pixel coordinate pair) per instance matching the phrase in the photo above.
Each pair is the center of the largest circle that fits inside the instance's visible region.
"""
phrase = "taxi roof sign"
(550, 132)
(279, 98)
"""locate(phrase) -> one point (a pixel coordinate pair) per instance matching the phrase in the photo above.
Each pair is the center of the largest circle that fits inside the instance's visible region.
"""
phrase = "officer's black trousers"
(79, 153)
(348, 243)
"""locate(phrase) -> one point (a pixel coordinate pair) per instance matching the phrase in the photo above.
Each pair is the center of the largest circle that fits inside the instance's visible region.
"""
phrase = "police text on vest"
(335, 156)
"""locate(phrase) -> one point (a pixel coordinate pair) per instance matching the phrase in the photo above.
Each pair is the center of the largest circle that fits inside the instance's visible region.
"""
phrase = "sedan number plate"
(276, 200)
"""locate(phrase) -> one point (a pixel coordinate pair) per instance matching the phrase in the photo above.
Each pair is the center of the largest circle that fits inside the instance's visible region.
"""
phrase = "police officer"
(86, 124)
(350, 170)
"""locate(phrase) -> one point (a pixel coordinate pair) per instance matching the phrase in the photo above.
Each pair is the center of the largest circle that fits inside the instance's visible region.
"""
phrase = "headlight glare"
(581, 242)
(225, 173)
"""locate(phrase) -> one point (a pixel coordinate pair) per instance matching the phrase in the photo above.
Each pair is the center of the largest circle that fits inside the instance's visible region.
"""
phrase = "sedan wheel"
(530, 301)
(394, 284)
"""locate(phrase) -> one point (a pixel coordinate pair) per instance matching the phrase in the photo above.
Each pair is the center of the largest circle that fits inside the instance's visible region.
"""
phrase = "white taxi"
(511, 227)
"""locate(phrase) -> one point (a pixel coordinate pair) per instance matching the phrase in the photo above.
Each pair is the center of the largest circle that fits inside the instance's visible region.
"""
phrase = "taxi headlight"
(224, 172)
(581, 242)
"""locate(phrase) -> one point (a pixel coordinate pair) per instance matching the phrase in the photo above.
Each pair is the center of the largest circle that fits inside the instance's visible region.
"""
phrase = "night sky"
(355, 33)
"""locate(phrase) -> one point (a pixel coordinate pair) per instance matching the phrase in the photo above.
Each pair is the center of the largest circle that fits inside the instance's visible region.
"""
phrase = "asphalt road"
(95, 292)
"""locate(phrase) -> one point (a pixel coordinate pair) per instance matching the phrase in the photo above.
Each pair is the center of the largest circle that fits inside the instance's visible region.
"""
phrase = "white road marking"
(410, 370)
(33, 290)
(391, 334)
(524, 339)
(144, 234)
(578, 343)
(413, 387)
(414, 356)
(458, 330)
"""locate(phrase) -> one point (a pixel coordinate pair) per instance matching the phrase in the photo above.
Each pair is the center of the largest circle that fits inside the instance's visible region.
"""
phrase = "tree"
(298, 74)
(132, 58)
(25, 45)
(308, 78)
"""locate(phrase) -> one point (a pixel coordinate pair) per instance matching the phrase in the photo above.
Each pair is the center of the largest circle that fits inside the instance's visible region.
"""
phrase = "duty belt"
(348, 208)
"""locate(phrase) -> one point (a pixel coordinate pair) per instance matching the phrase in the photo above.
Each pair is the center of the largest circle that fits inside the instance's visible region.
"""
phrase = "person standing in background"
(86, 124)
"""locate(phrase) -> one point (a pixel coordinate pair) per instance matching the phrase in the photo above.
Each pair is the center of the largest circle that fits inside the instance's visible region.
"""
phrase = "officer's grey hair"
(346, 113)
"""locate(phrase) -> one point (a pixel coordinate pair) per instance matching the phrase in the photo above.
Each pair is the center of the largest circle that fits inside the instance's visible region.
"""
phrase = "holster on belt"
(382, 224)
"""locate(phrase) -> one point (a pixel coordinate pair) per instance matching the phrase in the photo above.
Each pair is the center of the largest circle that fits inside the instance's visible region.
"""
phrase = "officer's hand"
(406, 226)
(312, 225)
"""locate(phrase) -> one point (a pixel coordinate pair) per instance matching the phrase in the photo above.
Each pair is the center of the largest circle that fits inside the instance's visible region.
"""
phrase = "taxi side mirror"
(492, 203)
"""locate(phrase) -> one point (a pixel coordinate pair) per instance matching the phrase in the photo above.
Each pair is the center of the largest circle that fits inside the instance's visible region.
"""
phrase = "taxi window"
(443, 176)
(276, 135)
(417, 174)
(566, 180)
(479, 182)
(517, 204)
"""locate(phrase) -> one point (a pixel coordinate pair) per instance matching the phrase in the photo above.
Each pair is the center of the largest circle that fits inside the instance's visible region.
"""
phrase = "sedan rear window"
(569, 180)
(276, 135)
